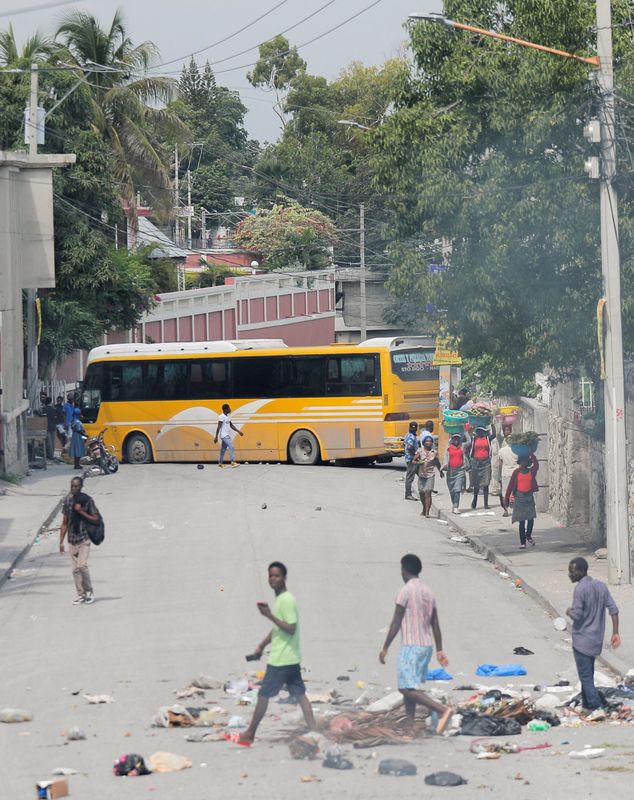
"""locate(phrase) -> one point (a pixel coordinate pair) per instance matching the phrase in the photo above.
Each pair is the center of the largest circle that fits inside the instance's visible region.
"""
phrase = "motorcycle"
(101, 455)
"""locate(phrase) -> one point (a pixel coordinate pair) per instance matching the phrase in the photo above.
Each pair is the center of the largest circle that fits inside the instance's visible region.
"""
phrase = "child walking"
(523, 485)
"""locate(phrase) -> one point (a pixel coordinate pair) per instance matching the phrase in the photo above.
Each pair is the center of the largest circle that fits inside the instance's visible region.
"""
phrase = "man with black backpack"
(80, 519)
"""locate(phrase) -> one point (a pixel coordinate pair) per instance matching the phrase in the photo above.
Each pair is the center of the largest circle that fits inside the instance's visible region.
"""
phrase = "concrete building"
(378, 300)
(26, 262)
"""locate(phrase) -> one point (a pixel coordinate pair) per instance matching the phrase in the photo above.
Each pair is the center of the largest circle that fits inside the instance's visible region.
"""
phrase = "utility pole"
(616, 471)
(189, 204)
(31, 294)
(177, 199)
(363, 306)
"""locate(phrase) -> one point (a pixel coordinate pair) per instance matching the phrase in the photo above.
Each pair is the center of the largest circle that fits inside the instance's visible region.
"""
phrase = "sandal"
(235, 738)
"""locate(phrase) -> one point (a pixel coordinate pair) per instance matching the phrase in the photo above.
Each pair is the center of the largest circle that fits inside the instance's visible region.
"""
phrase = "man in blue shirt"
(587, 612)
(411, 446)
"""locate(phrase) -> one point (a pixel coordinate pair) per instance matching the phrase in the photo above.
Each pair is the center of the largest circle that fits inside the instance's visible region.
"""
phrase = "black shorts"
(275, 678)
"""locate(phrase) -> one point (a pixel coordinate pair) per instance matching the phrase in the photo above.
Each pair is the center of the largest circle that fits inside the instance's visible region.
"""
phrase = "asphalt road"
(176, 584)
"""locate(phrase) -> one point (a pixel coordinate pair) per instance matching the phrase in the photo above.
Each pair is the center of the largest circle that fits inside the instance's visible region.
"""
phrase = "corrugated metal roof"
(149, 235)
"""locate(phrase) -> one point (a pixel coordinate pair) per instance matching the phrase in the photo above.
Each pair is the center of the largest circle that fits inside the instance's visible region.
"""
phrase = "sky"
(179, 29)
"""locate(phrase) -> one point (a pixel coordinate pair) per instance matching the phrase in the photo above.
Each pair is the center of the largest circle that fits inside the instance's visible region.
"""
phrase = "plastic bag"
(168, 762)
(15, 715)
(438, 675)
(444, 779)
(474, 724)
(130, 764)
(396, 766)
(492, 670)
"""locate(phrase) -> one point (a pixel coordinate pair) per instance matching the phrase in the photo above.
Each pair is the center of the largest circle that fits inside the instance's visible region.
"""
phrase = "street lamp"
(351, 123)
(616, 465)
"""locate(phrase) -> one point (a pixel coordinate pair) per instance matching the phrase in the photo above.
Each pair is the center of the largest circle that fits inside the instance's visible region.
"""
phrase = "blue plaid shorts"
(413, 661)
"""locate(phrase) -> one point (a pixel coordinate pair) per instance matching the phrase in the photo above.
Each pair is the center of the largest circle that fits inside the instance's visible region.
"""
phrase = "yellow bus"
(160, 402)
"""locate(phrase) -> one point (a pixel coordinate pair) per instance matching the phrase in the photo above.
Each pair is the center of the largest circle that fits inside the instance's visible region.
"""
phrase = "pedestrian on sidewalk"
(416, 617)
(78, 508)
(506, 464)
(587, 612)
(410, 446)
(60, 420)
(480, 464)
(283, 668)
(454, 464)
(77, 446)
(522, 486)
(223, 430)
(51, 427)
(426, 459)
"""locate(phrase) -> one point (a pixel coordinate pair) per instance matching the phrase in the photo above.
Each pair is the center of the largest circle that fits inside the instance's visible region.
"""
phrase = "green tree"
(127, 106)
(36, 48)
(484, 153)
(277, 66)
(289, 237)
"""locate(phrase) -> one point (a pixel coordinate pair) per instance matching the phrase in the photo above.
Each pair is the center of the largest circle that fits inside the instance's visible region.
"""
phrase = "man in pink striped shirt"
(416, 617)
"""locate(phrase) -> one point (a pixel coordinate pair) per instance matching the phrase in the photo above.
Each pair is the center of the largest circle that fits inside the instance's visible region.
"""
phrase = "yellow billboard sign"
(446, 353)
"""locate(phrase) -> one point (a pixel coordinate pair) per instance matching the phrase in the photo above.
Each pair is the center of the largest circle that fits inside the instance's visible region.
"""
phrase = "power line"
(40, 7)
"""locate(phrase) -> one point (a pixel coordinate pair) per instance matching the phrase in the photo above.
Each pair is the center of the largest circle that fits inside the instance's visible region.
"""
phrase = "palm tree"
(128, 105)
(36, 48)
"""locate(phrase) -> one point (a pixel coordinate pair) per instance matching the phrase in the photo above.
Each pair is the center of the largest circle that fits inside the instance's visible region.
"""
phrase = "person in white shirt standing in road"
(223, 430)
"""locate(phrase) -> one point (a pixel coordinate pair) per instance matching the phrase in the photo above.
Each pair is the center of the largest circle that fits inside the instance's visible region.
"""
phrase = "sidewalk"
(27, 508)
(543, 569)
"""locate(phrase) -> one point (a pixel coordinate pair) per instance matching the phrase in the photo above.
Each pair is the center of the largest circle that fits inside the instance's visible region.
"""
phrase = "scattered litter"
(548, 702)
(168, 762)
(474, 724)
(263, 506)
(64, 771)
(460, 539)
(321, 697)
(156, 526)
(200, 466)
(98, 698)
(130, 765)
(360, 684)
(335, 759)
(205, 736)
(237, 687)
(191, 691)
(442, 521)
(589, 752)
(58, 787)
(365, 729)
(205, 682)
(175, 716)
(538, 725)
(237, 722)
(305, 747)
(310, 779)
(601, 553)
(387, 703)
(444, 779)
(522, 651)
(439, 675)
(493, 671)
(560, 624)
(15, 715)
(488, 754)
(396, 766)
(317, 508)
(75, 735)
(343, 677)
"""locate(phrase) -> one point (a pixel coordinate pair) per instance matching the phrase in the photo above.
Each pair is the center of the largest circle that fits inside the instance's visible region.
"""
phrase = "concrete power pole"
(31, 294)
(189, 203)
(363, 306)
(616, 471)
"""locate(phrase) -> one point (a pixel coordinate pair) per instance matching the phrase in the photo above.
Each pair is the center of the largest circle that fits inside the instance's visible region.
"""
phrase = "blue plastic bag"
(493, 671)
(438, 675)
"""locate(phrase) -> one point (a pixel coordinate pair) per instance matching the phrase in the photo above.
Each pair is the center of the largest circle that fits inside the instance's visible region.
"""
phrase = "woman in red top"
(480, 464)
(523, 485)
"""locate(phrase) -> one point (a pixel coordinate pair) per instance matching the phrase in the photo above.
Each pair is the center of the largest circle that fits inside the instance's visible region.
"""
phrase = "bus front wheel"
(138, 449)
(303, 448)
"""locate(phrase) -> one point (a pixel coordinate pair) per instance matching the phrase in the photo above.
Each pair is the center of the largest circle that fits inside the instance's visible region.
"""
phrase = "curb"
(23, 552)
(493, 556)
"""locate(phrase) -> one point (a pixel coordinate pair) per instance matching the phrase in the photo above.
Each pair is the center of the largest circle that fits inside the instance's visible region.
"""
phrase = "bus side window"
(175, 379)
(355, 376)
(302, 376)
(208, 379)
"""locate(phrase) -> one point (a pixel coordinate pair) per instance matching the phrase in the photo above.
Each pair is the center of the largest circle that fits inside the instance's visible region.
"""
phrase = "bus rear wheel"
(138, 449)
(303, 448)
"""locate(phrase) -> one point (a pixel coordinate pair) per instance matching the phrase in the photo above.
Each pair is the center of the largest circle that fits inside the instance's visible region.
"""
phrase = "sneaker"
(455, 511)
(522, 547)
(597, 715)
(221, 465)
(79, 600)
(531, 542)
(412, 497)
(235, 464)
(90, 598)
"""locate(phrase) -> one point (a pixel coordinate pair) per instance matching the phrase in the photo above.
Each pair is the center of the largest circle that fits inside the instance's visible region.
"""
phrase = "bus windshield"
(415, 365)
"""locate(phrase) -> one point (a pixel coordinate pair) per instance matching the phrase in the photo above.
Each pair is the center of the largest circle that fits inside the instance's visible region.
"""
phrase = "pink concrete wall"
(309, 332)
(271, 308)
(230, 324)
(69, 370)
(256, 311)
(299, 304)
(244, 312)
(200, 328)
(215, 325)
(169, 330)
(153, 330)
(324, 300)
(116, 337)
(312, 302)
(286, 306)
(185, 329)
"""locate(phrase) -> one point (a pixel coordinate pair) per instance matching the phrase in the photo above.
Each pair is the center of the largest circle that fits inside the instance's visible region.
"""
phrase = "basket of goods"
(480, 415)
(508, 414)
(523, 444)
(454, 421)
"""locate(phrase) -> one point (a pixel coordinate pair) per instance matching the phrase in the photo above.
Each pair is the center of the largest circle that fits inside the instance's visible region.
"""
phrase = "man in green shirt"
(283, 668)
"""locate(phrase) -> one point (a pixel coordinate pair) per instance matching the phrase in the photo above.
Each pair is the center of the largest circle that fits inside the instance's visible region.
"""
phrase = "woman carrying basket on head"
(455, 464)
(523, 485)
(480, 464)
